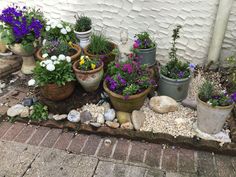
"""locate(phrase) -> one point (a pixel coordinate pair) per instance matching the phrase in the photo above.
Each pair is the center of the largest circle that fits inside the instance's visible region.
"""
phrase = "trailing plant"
(83, 23)
(39, 112)
(213, 97)
(143, 41)
(86, 64)
(54, 70)
(232, 73)
(176, 69)
(21, 25)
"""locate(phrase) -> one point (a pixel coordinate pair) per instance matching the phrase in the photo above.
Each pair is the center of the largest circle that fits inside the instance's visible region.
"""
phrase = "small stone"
(110, 115)
(95, 124)
(179, 120)
(106, 106)
(25, 112)
(112, 124)
(85, 116)
(73, 116)
(138, 118)
(59, 117)
(163, 104)
(107, 142)
(100, 119)
(50, 116)
(189, 103)
(127, 125)
(27, 102)
(123, 117)
(2, 85)
(15, 110)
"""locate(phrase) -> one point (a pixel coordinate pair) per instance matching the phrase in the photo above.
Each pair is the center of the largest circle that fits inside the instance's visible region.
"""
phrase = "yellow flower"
(70, 44)
(93, 66)
(81, 61)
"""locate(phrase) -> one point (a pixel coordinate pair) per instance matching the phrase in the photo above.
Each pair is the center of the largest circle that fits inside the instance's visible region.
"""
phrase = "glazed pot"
(107, 58)
(28, 64)
(211, 119)
(57, 93)
(74, 57)
(84, 37)
(147, 56)
(174, 88)
(120, 103)
(89, 80)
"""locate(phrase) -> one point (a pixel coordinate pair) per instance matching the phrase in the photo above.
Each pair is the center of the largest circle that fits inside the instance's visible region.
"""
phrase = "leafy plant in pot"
(213, 108)
(127, 85)
(22, 28)
(175, 76)
(100, 47)
(145, 49)
(83, 29)
(55, 77)
(89, 72)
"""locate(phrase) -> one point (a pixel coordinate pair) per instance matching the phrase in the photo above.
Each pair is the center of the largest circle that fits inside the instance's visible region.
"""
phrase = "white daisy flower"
(68, 59)
(45, 55)
(56, 62)
(42, 63)
(50, 67)
(31, 82)
(68, 29)
(47, 62)
(44, 42)
(48, 28)
(61, 57)
(63, 31)
(48, 23)
(54, 57)
(59, 25)
(53, 25)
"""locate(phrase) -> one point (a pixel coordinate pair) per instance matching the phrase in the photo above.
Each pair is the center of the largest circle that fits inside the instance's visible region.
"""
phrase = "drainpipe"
(221, 22)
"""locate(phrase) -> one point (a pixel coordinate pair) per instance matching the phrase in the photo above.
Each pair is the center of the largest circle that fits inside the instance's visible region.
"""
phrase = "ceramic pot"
(147, 56)
(74, 57)
(89, 80)
(3, 47)
(57, 93)
(211, 119)
(174, 88)
(120, 103)
(84, 37)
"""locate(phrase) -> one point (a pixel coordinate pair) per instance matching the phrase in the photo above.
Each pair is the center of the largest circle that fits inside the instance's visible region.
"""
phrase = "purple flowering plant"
(128, 78)
(21, 25)
(143, 41)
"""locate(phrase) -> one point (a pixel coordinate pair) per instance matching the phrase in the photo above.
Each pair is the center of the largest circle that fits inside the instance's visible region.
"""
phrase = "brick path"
(178, 161)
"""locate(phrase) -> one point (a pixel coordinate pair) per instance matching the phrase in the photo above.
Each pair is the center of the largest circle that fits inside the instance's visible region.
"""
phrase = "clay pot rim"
(73, 57)
(87, 72)
(215, 107)
(145, 92)
(54, 84)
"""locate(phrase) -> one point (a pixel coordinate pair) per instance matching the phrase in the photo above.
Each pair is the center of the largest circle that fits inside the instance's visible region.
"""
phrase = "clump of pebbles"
(94, 109)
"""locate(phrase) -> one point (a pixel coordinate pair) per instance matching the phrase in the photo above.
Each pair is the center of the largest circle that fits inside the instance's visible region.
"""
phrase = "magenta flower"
(127, 67)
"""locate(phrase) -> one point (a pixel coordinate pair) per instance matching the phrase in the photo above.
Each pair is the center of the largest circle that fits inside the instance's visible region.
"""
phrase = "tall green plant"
(83, 23)
(99, 45)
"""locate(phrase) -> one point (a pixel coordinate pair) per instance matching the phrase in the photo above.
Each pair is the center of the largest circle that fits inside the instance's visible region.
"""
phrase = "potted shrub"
(89, 72)
(175, 75)
(23, 27)
(83, 29)
(213, 108)
(55, 77)
(100, 47)
(145, 49)
(59, 34)
(127, 85)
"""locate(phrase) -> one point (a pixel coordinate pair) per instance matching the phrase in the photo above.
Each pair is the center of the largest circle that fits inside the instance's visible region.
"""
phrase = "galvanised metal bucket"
(147, 56)
(174, 88)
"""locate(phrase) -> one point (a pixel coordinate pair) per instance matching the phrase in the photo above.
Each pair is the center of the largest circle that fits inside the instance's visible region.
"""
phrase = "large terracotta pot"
(107, 58)
(120, 103)
(84, 37)
(57, 93)
(74, 57)
(89, 80)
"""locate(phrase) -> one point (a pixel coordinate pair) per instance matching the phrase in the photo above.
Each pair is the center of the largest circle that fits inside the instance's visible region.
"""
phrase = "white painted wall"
(158, 17)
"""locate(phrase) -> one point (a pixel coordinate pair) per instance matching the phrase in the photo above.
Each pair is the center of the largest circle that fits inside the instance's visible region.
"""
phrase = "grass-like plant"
(83, 23)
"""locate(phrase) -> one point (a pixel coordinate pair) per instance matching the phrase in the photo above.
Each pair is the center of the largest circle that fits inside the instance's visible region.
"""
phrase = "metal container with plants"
(213, 108)
(89, 72)
(83, 29)
(22, 28)
(175, 76)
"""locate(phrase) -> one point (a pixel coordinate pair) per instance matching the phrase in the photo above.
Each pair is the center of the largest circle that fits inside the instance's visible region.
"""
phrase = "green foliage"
(232, 74)
(83, 23)
(144, 41)
(39, 112)
(131, 89)
(206, 91)
(56, 47)
(86, 64)
(99, 45)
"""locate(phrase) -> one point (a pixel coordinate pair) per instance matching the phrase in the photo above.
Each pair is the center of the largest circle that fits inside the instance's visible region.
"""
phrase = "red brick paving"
(137, 151)
(153, 155)
(13, 131)
(106, 150)
(186, 161)
(121, 150)
(4, 126)
(77, 143)
(25, 134)
(38, 135)
(91, 145)
(63, 141)
(51, 138)
(169, 161)
(224, 166)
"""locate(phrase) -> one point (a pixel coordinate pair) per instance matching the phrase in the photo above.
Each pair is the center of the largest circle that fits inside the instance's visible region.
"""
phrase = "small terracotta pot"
(57, 93)
(134, 102)
(74, 57)
(89, 80)
(107, 58)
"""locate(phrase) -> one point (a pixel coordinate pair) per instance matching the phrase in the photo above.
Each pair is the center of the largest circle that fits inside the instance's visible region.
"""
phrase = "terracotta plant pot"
(107, 58)
(134, 102)
(74, 57)
(84, 37)
(57, 93)
(3, 47)
(89, 80)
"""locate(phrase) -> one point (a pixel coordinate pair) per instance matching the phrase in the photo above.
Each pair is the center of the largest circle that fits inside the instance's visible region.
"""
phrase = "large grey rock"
(15, 110)
(73, 116)
(189, 103)
(123, 117)
(110, 115)
(163, 104)
(85, 116)
(138, 118)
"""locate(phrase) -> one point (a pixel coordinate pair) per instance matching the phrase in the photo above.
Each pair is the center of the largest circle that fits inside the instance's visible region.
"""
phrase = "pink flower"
(135, 45)
(127, 67)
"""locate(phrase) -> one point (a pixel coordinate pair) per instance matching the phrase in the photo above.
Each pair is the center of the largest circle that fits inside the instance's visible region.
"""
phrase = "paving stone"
(51, 138)
(91, 145)
(63, 140)
(137, 151)
(153, 155)
(13, 131)
(224, 166)
(173, 174)
(77, 143)
(186, 161)
(3, 110)
(38, 135)
(25, 134)
(121, 150)
(169, 162)
(4, 126)
(106, 150)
